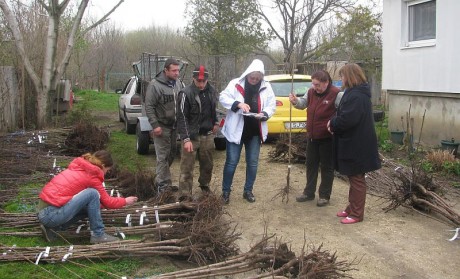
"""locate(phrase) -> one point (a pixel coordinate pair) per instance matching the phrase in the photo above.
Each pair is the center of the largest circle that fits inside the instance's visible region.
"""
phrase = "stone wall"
(442, 117)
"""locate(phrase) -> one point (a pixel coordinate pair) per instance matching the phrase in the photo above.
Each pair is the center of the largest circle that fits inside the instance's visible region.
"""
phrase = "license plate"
(294, 125)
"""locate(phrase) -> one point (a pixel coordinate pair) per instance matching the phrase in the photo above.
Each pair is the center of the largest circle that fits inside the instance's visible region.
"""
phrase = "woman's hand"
(244, 107)
(293, 99)
(329, 127)
(130, 200)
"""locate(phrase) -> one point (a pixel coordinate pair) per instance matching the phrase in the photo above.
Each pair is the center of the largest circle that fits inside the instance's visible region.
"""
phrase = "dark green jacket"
(160, 101)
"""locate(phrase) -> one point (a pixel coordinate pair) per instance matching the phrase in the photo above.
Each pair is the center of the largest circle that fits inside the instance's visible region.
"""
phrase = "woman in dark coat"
(356, 150)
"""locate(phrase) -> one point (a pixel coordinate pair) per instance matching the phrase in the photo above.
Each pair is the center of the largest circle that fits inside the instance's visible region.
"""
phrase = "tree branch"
(70, 43)
(104, 18)
(267, 20)
(264, 52)
(46, 7)
(63, 5)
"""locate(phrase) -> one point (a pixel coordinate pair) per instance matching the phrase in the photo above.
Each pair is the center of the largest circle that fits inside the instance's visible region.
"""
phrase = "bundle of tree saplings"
(31, 156)
(270, 259)
(140, 184)
(280, 152)
(205, 237)
(85, 137)
(413, 188)
(111, 250)
(23, 154)
(131, 217)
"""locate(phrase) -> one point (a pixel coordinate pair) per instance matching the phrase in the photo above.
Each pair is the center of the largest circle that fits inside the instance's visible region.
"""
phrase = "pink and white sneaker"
(348, 220)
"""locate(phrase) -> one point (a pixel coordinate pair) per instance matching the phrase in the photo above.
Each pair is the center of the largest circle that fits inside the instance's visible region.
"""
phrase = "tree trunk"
(52, 70)
(42, 108)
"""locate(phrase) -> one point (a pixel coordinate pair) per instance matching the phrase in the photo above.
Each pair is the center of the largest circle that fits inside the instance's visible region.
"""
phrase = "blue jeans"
(84, 204)
(252, 148)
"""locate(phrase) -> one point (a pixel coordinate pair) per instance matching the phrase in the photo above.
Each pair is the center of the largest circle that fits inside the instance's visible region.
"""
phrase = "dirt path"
(398, 244)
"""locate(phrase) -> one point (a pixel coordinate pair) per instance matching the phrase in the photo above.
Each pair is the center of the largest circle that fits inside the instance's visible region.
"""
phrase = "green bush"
(427, 166)
(451, 167)
(383, 134)
(79, 113)
(386, 146)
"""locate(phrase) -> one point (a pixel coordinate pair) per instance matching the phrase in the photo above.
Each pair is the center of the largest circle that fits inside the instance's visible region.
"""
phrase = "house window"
(422, 21)
(419, 23)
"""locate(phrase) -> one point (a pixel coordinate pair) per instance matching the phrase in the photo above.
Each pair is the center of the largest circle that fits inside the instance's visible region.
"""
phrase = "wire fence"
(221, 68)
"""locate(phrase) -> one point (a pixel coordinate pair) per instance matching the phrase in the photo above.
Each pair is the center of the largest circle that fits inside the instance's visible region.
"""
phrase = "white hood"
(256, 66)
(234, 121)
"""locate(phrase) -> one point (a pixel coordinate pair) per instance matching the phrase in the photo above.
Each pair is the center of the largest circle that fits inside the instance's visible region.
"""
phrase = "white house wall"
(432, 68)
(423, 78)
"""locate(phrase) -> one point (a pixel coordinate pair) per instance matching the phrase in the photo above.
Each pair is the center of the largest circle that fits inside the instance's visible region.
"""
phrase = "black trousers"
(320, 154)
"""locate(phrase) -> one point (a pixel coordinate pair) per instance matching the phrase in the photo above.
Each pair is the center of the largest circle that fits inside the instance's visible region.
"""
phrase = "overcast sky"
(135, 14)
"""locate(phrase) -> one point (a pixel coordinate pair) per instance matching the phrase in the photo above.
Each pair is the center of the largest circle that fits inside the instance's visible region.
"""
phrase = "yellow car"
(282, 86)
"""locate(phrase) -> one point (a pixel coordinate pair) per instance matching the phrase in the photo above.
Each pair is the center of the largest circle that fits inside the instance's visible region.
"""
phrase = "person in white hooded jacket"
(250, 102)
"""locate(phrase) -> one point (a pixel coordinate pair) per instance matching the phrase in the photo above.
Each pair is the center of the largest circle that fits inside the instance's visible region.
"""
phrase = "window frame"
(406, 43)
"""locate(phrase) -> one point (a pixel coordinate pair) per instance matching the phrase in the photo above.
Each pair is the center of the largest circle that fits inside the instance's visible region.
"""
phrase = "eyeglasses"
(316, 84)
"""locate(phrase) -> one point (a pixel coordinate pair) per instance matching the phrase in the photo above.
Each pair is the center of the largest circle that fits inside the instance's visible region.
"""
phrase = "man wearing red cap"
(197, 125)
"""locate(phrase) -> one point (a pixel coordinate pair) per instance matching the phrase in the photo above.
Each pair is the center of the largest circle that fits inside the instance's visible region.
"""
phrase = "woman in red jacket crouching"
(76, 193)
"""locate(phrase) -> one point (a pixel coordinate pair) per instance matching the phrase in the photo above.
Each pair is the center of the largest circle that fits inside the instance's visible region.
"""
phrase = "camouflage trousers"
(203, 147)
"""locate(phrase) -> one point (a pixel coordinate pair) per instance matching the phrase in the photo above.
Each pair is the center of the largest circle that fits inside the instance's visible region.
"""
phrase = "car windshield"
(282, 88)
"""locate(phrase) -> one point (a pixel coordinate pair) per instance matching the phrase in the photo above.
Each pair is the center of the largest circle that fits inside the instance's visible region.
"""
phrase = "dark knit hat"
(200, 73)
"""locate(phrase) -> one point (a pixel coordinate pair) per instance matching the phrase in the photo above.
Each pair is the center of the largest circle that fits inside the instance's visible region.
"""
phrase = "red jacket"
(321, 108)
(79, 176)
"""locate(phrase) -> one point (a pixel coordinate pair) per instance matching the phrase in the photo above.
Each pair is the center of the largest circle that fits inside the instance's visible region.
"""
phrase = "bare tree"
(52, 69)
(355, 37)
(299, 21)
(104, 53)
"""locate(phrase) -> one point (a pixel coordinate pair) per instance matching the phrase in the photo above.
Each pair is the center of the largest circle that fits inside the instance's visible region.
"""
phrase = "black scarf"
(251, 97)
